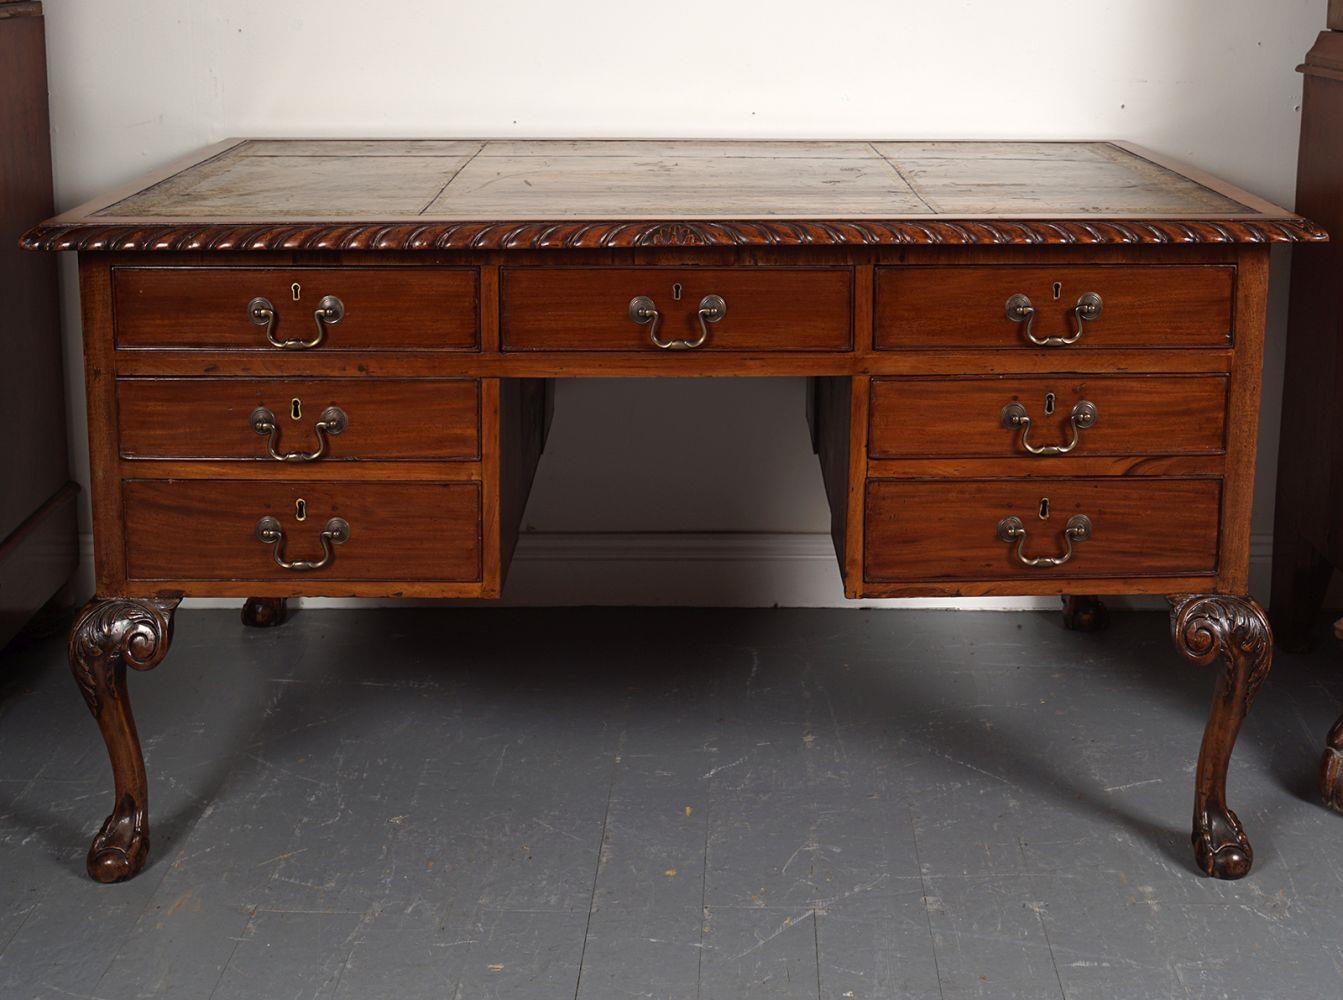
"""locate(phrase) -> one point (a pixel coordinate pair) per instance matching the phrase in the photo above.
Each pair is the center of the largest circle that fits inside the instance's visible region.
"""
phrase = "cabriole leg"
(109, 635)
(1331, 768)
(264, 612)
(1234, 630)
(1085, 614)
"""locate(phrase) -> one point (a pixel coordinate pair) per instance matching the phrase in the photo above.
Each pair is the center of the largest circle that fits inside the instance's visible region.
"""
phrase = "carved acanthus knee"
(1234, 630)
(108, 636)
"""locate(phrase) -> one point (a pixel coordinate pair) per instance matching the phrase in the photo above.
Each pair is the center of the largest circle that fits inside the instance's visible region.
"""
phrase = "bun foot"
(265, 612)
(120, 848)
(1331, 769)
(1221, 848)
(1085, 614)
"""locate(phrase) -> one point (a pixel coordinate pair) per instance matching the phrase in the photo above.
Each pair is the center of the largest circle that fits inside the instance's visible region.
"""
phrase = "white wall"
(137, 82)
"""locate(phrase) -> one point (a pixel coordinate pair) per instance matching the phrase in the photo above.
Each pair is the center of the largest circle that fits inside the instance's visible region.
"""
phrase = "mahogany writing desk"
(320, 368)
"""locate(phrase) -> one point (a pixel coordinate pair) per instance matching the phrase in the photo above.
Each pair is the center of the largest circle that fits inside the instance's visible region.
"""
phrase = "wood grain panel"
(523, 426)
(32, 403)
(947, 530)
(209, 418)
(423, 308)
(935, 307)
(832, 403)
(206, 530)
(587, 309)
(38, 545)
(1145, 415)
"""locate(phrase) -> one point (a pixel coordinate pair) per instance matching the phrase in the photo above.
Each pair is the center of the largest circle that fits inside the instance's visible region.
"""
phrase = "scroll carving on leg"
(1331, 768)
(1234, 630)
(108, 636)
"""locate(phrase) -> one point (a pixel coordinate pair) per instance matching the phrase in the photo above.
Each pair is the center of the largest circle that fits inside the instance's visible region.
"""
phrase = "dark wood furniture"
(1308, 522)
(319, 368)
(38, 541)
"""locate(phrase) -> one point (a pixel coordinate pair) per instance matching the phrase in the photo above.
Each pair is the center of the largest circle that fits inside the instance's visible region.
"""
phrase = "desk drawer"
(207, 530)
(588, 309)
(216, 418)
(381, 308)
(917, 531)
(1104, 415)
(1156, 306)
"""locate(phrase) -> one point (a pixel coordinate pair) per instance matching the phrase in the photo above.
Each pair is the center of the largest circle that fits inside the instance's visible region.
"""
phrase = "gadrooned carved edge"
(602, 235)
(136, 631)
(1204, 627)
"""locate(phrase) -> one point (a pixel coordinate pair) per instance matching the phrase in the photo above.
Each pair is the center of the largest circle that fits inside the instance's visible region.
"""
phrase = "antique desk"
(320, 368)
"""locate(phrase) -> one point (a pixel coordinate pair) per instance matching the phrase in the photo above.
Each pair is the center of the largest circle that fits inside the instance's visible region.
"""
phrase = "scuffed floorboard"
(491, 804)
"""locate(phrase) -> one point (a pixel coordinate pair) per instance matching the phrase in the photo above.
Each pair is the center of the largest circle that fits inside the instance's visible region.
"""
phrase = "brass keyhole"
(1044, 508)
(296, 409)
(1058, 290)
(300, 509)
(1050, 401)
(296, 291)
(676, 292)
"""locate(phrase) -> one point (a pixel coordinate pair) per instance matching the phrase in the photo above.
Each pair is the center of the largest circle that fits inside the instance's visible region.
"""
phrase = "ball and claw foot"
(1232, 632)
(109, 635)
(1331, 769)
(1221, 848)
(1085, 614)
(120, 848)
(265, 612)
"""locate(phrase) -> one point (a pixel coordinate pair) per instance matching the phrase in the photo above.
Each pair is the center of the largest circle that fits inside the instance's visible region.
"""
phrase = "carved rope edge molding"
(601, 235)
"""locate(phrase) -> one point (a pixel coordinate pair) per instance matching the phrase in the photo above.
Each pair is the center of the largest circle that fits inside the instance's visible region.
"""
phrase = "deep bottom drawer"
(207, 530)
(951, 530)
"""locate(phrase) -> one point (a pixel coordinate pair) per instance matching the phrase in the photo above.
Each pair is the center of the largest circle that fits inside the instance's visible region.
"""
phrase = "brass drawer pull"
(1078, 529)
(1021, 310)
(644, 311)
(331, 422)
(269, 532)
(329, 312)
(1084, 415)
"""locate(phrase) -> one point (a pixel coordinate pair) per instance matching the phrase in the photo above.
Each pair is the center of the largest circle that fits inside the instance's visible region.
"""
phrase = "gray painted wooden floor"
(667, 804)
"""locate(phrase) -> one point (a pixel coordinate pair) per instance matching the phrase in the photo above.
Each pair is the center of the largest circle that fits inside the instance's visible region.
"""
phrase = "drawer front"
(217, 418)
(1006, 417)
(207, 530)
(924, 531)
(382, 309)
(966, 307)
(588, 309)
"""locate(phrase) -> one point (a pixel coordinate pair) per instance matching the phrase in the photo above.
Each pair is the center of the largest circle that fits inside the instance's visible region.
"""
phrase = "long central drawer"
(762, 308)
